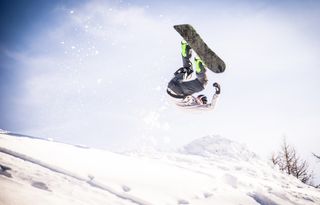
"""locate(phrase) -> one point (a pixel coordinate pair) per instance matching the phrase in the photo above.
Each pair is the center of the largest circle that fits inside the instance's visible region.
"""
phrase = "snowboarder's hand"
(180, 70)
(217, 87)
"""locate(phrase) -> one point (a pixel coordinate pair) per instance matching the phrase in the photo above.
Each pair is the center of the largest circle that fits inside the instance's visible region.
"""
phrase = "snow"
(209, 170)
(211, 146)
(3, 131)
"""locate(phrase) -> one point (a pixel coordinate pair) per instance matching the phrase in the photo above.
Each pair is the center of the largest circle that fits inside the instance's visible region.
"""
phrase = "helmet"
(203, 99)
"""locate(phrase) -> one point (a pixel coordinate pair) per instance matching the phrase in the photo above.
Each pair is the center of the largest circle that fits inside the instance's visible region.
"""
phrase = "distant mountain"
(214, 146)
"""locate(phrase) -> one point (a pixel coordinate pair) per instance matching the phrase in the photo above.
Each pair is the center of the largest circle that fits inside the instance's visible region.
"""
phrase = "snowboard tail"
(210, 59)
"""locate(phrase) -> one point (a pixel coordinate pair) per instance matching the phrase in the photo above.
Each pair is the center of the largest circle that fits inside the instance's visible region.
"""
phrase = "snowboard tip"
(181, 25)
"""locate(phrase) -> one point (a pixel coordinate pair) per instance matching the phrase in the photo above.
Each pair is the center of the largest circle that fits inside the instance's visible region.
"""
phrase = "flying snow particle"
(167, 139)
(166, 126)
(158, 88)
(151, 120)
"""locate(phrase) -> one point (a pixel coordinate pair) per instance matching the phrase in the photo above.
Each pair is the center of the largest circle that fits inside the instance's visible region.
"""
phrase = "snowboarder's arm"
(213, 103)
(215, 97)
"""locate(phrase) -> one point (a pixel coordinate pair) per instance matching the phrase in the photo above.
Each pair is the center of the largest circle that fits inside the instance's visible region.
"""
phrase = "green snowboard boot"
(186, 51)
(199, 65)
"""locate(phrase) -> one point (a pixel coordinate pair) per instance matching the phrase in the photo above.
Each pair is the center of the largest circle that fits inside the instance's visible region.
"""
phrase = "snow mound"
(3, 131)
(217, 146)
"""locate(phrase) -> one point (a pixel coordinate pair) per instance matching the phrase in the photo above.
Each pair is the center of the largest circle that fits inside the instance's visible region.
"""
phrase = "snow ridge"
(3, 131)
(217, 146)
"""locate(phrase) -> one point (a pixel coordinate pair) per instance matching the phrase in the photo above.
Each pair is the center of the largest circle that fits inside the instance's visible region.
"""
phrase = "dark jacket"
(179, 88)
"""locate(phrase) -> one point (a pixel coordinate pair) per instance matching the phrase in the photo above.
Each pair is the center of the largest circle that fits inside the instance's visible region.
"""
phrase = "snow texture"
(210, 170)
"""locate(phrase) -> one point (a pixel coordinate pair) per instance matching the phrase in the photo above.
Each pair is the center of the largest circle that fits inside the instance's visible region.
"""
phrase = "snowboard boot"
(200, 71)
(186, 53)
(199, 65)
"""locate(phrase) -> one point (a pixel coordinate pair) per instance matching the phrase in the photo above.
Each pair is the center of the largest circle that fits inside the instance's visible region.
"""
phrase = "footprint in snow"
(261, 199)
(237, 168)
(207, 194)
(40, 185)
(4, 171)
(231, 180)
(91, 177)
(126, 188)
(223, 168)
(183, 202)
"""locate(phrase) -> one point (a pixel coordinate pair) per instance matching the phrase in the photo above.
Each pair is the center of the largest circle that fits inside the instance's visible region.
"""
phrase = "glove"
(180, 70)
(217, 87)
(185, 70)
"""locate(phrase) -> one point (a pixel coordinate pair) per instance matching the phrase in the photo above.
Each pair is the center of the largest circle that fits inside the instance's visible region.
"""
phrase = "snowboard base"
(209, 58)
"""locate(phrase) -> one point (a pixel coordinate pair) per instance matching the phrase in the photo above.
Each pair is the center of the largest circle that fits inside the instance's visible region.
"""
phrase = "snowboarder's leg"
(200, 71)
(186, 53)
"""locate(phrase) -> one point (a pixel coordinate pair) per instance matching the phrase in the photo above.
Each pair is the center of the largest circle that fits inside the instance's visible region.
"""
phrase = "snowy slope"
(210, 170)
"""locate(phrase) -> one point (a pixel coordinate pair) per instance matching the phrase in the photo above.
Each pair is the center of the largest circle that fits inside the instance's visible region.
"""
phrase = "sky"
(95, 72)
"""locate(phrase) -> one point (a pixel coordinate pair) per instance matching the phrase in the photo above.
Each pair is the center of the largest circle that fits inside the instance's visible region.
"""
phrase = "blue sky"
(95, 72)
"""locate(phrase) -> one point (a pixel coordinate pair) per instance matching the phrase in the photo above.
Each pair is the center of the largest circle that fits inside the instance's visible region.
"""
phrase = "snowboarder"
(182, 89)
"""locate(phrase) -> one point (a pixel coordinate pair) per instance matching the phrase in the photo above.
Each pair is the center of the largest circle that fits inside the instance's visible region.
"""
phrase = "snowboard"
(209, 58)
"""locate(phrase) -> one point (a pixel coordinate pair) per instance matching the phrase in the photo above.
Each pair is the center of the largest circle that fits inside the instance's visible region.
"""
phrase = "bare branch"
(317, 156)
(288, 161)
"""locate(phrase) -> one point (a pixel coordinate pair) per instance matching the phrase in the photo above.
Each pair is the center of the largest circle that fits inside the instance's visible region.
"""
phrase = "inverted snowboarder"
(182, 89)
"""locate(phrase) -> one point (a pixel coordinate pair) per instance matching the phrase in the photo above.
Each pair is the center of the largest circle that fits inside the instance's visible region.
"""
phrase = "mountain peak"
(217, 146)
